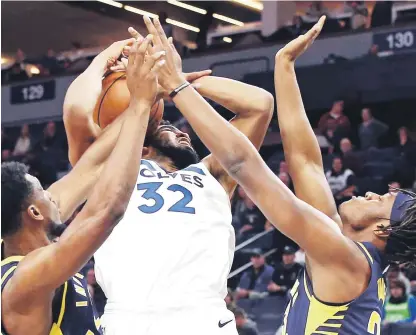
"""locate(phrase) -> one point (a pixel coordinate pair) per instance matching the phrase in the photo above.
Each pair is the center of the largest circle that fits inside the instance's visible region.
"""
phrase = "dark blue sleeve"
(412, 308)
(244, 281)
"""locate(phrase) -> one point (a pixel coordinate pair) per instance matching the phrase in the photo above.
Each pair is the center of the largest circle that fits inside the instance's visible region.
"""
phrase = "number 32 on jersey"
(152, 191)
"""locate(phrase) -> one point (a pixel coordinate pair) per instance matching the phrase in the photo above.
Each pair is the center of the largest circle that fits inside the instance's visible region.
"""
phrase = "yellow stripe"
(366, 251)
(11, 259)
(81, 303)
(62, 312)
(8, 272)
(76, 280)
(79, 275)
(337, 317)
(334, 325)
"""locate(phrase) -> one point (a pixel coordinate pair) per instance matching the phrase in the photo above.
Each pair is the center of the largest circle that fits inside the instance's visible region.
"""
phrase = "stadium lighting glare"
(182, 25)
(227, 39)
(140, 12)
(112, 3)
(34, 70)
(188, 7)
(228, 19)
(257, 6)
(3, 60)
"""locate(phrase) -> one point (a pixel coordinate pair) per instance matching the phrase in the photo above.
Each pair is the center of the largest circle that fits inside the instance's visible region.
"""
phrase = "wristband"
(178, 89)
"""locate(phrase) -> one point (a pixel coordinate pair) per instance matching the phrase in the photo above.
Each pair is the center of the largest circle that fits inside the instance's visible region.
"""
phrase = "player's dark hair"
(148, 139)
(402, 235)
(15, 190)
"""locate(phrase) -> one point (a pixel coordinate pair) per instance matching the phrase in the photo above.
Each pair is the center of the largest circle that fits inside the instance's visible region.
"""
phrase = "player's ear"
(34, 213)
(382, 231)
(145, 151)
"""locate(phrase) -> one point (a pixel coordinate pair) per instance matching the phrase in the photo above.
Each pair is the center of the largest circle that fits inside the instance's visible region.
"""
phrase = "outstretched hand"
(142, 71)
(121, 65)
(299, 45)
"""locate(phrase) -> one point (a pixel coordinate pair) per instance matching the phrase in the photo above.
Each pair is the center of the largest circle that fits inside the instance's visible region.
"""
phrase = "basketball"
(114, 100)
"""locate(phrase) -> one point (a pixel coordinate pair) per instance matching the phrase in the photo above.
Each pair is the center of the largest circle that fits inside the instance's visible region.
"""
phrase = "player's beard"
(55, 230)
(181, 156)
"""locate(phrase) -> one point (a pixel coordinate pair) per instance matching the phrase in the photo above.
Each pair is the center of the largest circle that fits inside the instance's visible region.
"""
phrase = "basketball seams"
(105, 93)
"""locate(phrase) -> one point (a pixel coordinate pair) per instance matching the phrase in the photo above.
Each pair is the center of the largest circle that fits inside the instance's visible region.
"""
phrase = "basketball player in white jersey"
(164, 269)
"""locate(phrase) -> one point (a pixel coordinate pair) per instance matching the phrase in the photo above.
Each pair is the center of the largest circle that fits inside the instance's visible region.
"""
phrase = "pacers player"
(342, 289)
(42, 292)
(165, 267)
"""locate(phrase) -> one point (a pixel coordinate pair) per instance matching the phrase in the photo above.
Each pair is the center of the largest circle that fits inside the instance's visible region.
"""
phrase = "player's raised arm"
(253, 106)
(238, 156)
(81, 98)
(87, 171)
(55, 263)
(300, 145)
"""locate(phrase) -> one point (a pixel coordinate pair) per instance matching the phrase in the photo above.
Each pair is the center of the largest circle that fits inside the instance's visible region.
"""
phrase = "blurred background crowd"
(361, 105)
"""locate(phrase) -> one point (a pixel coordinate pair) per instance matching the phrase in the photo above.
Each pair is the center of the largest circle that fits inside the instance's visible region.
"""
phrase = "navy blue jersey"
(73, 312)
(307, 315)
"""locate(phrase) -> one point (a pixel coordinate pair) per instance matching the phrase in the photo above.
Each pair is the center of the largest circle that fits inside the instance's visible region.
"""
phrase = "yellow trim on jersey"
(8, 272)
(79, 275)
(55, 330)
(320, 313)
(11, 259)
(81, 303)
(366, 251)
(62, 312)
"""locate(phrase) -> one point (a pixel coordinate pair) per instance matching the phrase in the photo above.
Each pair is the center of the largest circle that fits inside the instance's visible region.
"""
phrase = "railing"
(246, 243)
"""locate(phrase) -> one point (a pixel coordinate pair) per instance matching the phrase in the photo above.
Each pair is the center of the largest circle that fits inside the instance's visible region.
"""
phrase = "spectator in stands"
(97, 293)
(6, 142)
(300, 257)
(359, 12)
(229, 301)
(341, 181)
(350, 159)
(283, 167)
(244, 325)
(285, 273)
(400, 306)
(334, 125)
(253, 283)
(297, 28)
(394, 185)
(47, 154)
(370, 130)
(407, 147)
(19, 70)
(50, 64)
(316, 10)
(285, 178)
(23, 142)
(393, 274)
(247, 218)
(6, 155)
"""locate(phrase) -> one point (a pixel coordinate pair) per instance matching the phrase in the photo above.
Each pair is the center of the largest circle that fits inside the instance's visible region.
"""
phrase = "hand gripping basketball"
(141, 74)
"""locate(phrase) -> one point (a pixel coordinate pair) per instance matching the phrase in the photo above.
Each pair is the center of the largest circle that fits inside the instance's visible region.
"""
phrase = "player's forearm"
(238, 97)
(226, 143)
(297, 134)
(119, 175)
(86, 88)
(86, 172)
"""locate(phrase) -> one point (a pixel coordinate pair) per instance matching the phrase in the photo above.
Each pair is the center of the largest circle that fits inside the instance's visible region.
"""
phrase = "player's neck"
(24, 242)
(365, 235)
(163, 161)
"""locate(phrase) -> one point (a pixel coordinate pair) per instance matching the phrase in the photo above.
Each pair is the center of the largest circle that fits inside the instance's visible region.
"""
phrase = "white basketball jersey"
(175, 245)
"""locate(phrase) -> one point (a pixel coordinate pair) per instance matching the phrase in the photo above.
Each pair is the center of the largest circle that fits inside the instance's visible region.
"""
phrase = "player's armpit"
(296, 219)
(253, 107)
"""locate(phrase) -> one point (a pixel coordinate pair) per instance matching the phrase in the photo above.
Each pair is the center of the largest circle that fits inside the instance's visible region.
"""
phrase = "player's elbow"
(267, 105)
